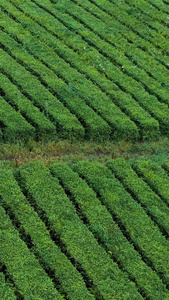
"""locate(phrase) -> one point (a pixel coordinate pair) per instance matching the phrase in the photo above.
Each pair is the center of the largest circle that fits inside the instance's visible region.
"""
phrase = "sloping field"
(83, 82)
(85, 231)
(82, 69)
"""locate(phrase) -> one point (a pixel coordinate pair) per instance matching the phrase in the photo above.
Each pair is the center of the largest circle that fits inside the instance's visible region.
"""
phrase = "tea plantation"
(76, 69)
(84, 149)
(85, 231)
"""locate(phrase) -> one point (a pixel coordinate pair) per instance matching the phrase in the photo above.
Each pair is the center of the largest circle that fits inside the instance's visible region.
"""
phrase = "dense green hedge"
(43, 127)
(138, 26)
(101, 223)
(96, 29)
(13, 124)
(155, 176)
(69, 50)
(148, 126)
(65, 121)
(156, 9)
(6, 290)
(143, 233)
(50, 255)
(124, 53)
(122, 36)
(107, 279)
(79, 231)
(138, 188)
(31, 280)
(77, 85)
(124, 101)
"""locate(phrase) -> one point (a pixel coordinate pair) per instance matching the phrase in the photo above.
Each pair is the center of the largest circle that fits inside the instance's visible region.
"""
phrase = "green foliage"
(43, 127)
(6, 291)
(48, 252)
(79, 70)
(39, 94)
(135, 112)
(138, 188)
(139, 58)
(108, 232)
(125, 99)
(144, 234)
(85, 232)
(26, 271)
(105, 275)
(155, 176)
(14, 125)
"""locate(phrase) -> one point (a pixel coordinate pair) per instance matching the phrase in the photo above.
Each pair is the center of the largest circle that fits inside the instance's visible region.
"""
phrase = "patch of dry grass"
(65, 150)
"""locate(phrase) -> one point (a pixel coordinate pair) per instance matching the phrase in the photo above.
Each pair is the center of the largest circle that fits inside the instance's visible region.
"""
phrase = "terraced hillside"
(85, 231)
(82, 69)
